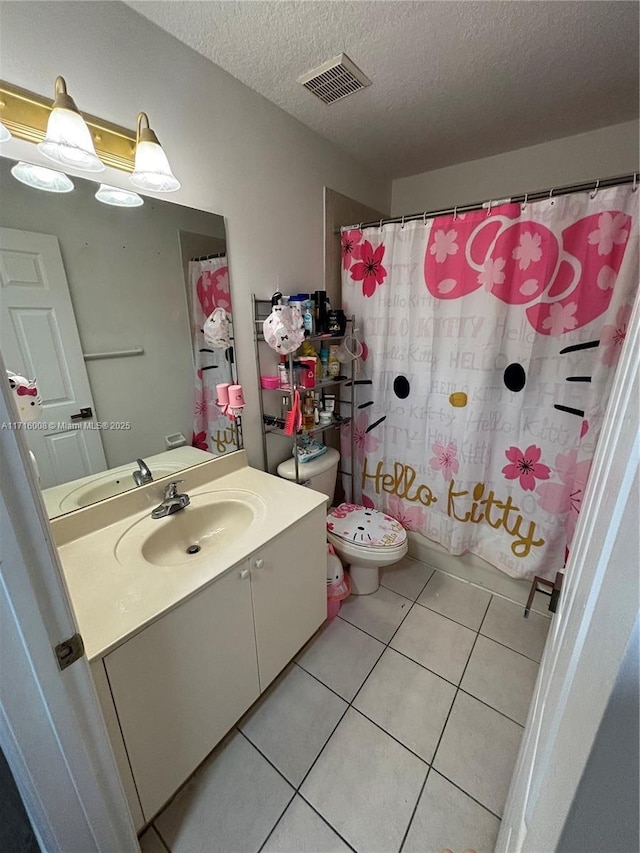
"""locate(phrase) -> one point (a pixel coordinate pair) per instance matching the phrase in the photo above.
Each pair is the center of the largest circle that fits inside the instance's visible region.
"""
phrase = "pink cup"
(236, 397)
(222, 391)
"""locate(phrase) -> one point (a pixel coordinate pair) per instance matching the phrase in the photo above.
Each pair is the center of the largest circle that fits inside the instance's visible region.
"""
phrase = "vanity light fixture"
(40, 178)
(68, 140)
(5, 134)
(117, 197)
(151, 170)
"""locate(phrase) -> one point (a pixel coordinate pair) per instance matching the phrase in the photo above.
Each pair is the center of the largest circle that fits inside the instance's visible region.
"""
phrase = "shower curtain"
(212, 430)
(491, 340)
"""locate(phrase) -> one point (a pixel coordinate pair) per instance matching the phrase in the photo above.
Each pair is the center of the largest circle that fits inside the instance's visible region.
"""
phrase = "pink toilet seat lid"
(364, 526)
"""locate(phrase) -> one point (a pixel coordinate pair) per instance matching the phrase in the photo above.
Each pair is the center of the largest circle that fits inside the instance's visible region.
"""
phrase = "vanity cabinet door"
(180, 685)
(289, 589)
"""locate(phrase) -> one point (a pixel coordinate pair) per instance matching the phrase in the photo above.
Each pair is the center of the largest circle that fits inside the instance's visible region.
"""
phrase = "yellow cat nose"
(458, 399)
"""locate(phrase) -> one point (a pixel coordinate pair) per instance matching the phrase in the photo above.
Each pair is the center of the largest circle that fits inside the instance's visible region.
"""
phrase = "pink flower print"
(566, 496)
(445, 459)
(608, 232)
(606, 278)
(561, 318)
(350, 247)
(364, 442)
(199, 440)
(525, 466)
(528, 251)
(492, 273)
(369, 269)
(213, 290)
(410, 519)
(612, 337)
(444, 244)
(343, 510)
(330, 525)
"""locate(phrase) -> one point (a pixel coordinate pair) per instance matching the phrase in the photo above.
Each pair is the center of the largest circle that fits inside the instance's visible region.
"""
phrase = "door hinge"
(69, 651)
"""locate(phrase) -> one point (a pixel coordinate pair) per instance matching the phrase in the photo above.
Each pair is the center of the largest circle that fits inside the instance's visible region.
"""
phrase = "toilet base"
(365, 578)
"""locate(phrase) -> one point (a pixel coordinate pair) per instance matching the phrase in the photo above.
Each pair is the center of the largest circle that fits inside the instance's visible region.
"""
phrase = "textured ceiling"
(452, 81)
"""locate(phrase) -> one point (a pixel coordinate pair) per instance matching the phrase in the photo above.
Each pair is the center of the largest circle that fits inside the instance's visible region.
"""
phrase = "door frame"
(591, 630)
(51, 728)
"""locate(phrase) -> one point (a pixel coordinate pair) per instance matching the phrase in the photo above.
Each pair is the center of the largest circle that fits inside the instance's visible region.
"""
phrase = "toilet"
(365, 539)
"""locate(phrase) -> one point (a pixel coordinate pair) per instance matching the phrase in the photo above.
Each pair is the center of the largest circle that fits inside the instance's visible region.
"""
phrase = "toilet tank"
(318, 474)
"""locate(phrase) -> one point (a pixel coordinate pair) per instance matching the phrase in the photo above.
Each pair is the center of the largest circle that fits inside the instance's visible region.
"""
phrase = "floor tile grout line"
(271, 831)
(504, 646)
(266, 758)
(487, 705)
(324, 820)
(435, 752)
(393, 737)
(444, 615)
(415, 809)
(466, 793)
(408, 597)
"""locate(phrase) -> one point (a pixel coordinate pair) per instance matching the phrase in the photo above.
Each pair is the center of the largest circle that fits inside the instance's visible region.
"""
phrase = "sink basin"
(211, 523)
(113, 483)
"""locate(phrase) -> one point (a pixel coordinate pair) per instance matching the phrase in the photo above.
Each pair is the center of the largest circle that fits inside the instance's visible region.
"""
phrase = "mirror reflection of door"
(39, 338)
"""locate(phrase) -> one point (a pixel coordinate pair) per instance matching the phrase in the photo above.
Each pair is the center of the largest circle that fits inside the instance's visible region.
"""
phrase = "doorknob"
(83, 414)
(259, 563)
(244, 574)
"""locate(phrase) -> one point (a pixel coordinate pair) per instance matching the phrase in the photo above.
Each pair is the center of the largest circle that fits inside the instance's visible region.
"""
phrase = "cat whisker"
(577, 347)
(569, 410)
(376, 423)
(578, 378)
(366, 405)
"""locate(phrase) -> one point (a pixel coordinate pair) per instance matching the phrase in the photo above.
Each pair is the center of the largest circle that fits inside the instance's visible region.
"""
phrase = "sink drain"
(193, 549)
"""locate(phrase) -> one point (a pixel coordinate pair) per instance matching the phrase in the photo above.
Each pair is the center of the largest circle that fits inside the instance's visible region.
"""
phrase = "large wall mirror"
(104, 306)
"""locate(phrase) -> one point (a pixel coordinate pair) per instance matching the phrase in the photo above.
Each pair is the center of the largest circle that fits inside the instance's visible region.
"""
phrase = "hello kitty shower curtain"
(212, 430)
(491, 340)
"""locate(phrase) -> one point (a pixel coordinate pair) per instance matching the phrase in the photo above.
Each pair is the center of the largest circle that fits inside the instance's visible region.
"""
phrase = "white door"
(39, 338)
(590, 632)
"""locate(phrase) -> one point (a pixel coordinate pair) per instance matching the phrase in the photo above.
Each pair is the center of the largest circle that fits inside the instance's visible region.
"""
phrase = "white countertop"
(113, 601)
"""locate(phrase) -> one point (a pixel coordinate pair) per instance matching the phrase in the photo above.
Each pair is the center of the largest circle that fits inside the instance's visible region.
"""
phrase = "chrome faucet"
(143, 475)
(172, 502)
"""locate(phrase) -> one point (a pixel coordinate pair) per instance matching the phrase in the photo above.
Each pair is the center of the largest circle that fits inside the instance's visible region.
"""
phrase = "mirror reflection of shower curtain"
(209, 282)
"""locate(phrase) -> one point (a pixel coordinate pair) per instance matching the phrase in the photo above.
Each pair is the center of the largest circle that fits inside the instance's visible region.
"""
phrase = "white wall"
(601, 153)
(234, 152)
(126, 281)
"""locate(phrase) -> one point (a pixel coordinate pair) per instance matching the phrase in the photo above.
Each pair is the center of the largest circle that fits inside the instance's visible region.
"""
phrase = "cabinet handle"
(259, 563)
(244, 574)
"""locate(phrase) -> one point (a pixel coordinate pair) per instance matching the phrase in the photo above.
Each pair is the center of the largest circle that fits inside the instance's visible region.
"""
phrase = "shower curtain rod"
(210, 257)
(523, 198)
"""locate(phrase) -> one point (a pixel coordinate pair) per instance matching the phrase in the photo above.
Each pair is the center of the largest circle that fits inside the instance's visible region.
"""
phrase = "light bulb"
(40, 178)
(151, 167)
(68, 140)
(117, 197)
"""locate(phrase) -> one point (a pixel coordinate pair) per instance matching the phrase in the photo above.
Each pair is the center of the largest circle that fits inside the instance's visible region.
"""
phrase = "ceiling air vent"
(334, 79)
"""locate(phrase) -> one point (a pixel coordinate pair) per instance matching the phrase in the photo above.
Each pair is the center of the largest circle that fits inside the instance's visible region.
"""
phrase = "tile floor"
(395, 729)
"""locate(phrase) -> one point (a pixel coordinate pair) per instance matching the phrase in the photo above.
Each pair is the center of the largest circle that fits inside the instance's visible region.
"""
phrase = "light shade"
(5, 135)
(117, 197)
(40, 178)
(151, 168)
(68, 140)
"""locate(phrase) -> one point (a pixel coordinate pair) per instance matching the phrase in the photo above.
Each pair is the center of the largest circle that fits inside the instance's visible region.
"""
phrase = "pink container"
(222, 390)
(269, 382)
(236, 396)
(308, 372)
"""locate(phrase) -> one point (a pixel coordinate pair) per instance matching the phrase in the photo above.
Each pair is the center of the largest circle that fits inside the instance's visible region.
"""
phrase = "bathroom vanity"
(182, 644)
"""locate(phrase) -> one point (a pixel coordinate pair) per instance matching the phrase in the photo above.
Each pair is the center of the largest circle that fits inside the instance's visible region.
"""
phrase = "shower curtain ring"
(551, 200)
(524, 203)
(489, 207)
(402, 225)
(380, 227)
(635, 182)
(455, 212)
(595, 189)
(424, 219)
(360, 228)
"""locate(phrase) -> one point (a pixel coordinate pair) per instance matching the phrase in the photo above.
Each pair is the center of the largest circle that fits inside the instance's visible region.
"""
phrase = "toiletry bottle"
(324, 361)
(321, 312)
(283, 373)
(307, 412)
(334, 362)
(309, 319)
